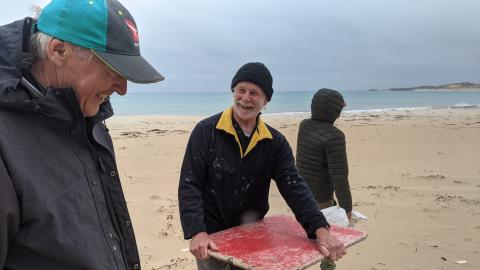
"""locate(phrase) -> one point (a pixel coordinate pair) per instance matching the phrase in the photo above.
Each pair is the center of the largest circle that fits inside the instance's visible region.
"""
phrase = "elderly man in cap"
(229, 162)
(61, 201)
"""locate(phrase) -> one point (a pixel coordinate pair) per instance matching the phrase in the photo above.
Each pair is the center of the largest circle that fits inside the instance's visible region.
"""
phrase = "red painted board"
(277, 242)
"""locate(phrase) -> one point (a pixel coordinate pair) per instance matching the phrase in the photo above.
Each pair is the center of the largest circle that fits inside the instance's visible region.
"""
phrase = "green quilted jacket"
(321, 150)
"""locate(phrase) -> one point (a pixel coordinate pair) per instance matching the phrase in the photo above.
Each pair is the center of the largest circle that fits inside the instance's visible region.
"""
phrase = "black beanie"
(256, 73)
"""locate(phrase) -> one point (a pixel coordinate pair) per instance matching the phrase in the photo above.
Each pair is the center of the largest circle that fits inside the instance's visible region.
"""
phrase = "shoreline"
(174, 118)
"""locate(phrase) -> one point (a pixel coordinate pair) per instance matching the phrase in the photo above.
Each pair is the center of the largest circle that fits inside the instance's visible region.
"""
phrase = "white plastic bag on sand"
(336, 215)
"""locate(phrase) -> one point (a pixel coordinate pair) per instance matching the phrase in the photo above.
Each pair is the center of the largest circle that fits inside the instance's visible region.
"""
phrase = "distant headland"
(465, 86)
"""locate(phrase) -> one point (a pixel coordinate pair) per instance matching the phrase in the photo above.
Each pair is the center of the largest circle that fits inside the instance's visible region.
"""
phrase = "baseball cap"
(104, 26)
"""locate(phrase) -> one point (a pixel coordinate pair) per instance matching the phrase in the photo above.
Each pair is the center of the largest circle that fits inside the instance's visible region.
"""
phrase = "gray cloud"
(198, 45)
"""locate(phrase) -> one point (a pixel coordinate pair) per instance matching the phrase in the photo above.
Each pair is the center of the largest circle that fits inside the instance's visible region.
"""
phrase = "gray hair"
(39, 42)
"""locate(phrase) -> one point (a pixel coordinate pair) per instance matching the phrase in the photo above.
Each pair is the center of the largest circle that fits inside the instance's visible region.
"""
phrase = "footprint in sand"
(162, 234)
(155, 197)
(132, 134)
(433, 177)
(176, 263)
(460, 182)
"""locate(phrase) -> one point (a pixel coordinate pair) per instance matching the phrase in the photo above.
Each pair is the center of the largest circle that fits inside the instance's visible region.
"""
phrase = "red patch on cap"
(133, 29)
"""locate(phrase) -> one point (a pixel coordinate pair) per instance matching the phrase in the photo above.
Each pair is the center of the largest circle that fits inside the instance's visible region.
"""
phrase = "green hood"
(327, 104)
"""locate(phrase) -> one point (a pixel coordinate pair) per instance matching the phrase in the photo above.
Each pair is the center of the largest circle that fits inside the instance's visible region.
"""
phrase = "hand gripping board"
(277, 242)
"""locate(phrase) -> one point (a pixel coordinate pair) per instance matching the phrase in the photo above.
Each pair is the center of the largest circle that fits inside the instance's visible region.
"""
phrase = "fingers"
(195, 250)
(332, 248)
(337, 251)
(337, 255)
(213, 246)
(333, 254)
(203, 252)
(200, 252)
(200, 244)
(324, 251)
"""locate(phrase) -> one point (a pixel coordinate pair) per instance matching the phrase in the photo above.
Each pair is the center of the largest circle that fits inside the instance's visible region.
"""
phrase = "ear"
(56, 51)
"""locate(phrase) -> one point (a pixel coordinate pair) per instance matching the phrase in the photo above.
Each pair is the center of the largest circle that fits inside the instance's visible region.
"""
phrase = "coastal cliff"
(446, 87)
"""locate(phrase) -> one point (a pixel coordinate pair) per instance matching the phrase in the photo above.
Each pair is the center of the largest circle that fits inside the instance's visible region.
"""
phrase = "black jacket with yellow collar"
(222, 187)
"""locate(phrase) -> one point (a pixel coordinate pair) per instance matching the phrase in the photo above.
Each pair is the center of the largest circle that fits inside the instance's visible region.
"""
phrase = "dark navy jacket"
(61, 202)
(221, 187)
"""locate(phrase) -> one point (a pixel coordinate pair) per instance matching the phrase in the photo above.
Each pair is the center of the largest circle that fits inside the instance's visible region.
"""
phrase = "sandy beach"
(414, 174)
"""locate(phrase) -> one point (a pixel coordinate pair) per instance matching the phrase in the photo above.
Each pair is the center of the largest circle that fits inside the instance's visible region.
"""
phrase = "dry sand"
(415, 174)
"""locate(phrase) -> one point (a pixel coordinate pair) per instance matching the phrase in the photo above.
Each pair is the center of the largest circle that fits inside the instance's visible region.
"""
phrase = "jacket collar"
(260, 133)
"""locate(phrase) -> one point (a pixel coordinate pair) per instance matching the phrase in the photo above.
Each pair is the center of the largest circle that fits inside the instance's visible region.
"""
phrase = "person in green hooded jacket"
(322, 156)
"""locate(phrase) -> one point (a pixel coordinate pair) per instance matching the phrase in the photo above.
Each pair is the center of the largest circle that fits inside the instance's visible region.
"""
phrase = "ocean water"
(161, 103)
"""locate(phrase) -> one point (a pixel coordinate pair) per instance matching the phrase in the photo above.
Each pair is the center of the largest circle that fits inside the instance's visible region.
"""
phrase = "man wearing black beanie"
(229, 162)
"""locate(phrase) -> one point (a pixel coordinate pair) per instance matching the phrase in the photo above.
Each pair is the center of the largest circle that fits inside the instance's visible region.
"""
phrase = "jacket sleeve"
(9, 213)
(192, 179)
(296, 192)
(336, 157)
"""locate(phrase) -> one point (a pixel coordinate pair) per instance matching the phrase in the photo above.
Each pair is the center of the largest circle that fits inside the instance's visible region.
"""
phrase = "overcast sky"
(307, 44)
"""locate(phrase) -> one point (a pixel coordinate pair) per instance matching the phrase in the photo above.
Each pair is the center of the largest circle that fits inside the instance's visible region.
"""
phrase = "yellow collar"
(260, 133)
